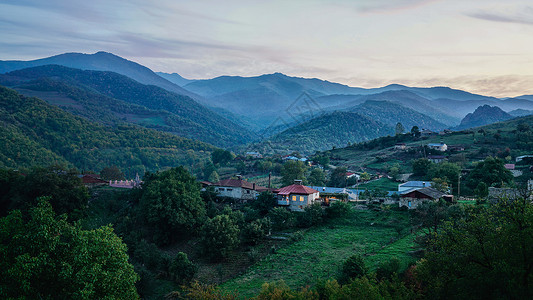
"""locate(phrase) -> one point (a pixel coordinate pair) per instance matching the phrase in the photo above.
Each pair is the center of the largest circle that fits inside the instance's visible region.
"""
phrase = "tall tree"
(112, 173)
(338, 177)
(317, 177)
(293, 170)
(44, 257)
(491, 171)
(399, 128)
(171, 203)
(219, 236)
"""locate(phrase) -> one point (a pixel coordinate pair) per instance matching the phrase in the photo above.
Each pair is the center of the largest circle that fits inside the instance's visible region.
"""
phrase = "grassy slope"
(323, 249)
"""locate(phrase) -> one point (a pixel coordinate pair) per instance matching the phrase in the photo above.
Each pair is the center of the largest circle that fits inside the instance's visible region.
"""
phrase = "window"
(293, 198)
(301, 198)
(409, 203)
(247, 191)
(229, 190)
(221, 189)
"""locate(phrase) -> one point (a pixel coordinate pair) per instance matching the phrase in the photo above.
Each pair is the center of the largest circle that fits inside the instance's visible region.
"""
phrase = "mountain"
(33, 132)
(484, 115)
(391, 113)
(175, 78)
(462, 108)
(147, 105)
(100, 61)
(520, 112)
(407, 99)
(329, 130)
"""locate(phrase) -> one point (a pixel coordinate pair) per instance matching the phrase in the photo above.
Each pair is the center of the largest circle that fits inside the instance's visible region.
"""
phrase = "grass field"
(383, 184)
(378, 236)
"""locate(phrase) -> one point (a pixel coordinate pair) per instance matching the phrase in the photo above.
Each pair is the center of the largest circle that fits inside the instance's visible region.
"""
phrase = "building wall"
(411, 203)
(236, 192)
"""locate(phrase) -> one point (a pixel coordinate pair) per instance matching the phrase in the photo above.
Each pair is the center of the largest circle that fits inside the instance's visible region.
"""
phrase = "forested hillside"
(335, 129)
(36, 133)
(89, 93)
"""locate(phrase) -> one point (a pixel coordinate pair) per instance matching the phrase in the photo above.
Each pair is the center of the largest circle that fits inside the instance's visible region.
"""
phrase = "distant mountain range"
(229, 111)
(483, 115)
(109, 97)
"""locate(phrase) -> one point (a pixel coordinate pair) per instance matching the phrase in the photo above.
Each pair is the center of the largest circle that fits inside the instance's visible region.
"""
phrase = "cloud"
(519, 15)
(387, 6)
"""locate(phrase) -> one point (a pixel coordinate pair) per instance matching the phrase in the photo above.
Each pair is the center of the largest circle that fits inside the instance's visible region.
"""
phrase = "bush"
(182, 270)
(312, 215)
(254, 231)
(338, 209)
(281, 218)
(354, 267)
(218, 236)
(387, 270)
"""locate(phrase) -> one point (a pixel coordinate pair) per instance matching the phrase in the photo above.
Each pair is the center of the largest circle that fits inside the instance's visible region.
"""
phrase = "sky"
(482, 46)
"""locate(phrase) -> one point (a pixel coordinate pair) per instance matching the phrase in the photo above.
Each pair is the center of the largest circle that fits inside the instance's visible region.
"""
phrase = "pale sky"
(482, 46)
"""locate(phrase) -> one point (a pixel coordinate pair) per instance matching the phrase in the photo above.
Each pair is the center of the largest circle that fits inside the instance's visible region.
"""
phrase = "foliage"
(264, 203)
(485, 255)
(312, 215)
(112, 173)
(317, 177)
(281, 218)
(353, 267)
(338, 177)
(254, 231)
(66, 191)
(293, 170)
(197, 291)
(171, 203)
(440, 184)
(491, 171)
(415, 131)
(221, 156)
(43, 256)
(338, 209)
(35, 133)
(447, 171)
(218, 236)
(388, 269)
(280, 291)
(399, 128)
(181, 269)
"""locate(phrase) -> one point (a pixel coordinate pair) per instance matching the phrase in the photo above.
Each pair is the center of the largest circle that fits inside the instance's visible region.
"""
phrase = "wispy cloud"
(520, 15)
(387, 6)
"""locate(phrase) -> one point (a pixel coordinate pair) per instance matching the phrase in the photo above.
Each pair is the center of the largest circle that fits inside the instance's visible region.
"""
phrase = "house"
(440, 146)
(436, 158)
(413, 198)
(445, 131)
(456, 148)
(522, 157)
(412, 185)
(427, 132)
(238, 189)
(400, 146)
(296, 196)
(90, 180)
(351, 174)
(333, 192)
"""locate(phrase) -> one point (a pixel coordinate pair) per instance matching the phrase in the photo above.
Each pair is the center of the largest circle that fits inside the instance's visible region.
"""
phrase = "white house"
(297, 196)
(238, 189)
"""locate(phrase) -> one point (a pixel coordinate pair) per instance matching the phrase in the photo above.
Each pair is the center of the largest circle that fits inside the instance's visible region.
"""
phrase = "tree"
(486, 254)
(45, 257)
(317, 177)
(67, 192)
(421, 166)
(491, 171)
(365, 176)
(112, 173)
(353, 267)
(218, 236)
(221, 156)
(281, 218)
(394, 171)
(264, 202)
(445, 170)
(440, 184)
(254, 231)
(214, 177)
(293, 170)
(181, 269)
(338, 177)
(415, 131)
(171, 203)
(399, 128)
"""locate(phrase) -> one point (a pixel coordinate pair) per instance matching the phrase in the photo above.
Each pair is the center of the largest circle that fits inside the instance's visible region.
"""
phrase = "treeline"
(35, 133)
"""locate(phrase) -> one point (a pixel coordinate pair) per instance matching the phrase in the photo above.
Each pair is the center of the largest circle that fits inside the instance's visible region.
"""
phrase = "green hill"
(330, 130)
(108, 96)
(391, 113)
(33, 132)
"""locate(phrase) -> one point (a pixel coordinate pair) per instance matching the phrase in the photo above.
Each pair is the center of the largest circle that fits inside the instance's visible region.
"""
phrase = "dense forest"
(35, 133)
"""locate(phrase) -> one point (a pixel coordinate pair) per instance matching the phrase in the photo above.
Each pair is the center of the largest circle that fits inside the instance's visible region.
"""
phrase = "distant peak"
(395, 85)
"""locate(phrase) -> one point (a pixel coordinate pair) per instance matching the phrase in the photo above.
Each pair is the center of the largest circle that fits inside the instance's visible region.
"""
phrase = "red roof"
(238, 183)
(296, 189)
